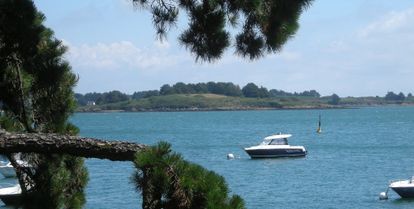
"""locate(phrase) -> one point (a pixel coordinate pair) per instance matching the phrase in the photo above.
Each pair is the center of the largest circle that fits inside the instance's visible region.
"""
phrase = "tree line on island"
(230, 89)
(251, 90)
(391, 96)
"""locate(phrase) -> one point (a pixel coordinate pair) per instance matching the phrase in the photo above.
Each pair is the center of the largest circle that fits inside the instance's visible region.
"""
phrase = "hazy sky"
(352, 48)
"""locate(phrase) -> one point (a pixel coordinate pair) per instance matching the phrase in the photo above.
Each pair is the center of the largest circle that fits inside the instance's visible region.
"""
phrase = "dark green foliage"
(36, 95)
(9, 122)
(263, 92)
(311, 93)
(206, 37)
(221, 88)
(228, 89)
(266, 24)
(112, 97)
(60, 173)
(401, 96)
(20, 31)
(281, 93)
(395, 97)
(249, 43)
(183, 102)
(252, 90)
(51, 87)
(166, 90)
(200, 87)
(409, 98)
(334, 99)
(88, 97)
(167, 181)
(101, 98)
(145, 94)
(182, 88)
(80, 99)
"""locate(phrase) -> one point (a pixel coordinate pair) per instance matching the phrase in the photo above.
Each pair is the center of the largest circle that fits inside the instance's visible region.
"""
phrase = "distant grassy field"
(373, 101)
(206, 102)
(194, 102)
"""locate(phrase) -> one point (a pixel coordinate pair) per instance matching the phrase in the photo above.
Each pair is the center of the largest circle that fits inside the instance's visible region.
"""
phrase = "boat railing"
(397, 180)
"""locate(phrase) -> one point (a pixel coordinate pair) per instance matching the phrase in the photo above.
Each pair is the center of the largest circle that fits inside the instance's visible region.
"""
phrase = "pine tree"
(167, 181)
(266, 25)
(37, 96)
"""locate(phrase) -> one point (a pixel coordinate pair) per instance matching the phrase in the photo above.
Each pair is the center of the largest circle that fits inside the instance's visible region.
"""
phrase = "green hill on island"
(224, 96)
(194, 102)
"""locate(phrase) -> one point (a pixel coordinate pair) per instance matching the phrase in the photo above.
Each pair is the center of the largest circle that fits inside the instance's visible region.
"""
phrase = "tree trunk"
(18, 171)
(24, 117)
(65, 144)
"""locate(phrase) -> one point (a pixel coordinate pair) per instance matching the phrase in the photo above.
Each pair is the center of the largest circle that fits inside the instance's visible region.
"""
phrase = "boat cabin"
(278, 142)
(279, 139)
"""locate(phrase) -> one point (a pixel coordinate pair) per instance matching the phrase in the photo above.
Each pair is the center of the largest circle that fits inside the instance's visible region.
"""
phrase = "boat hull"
(274, 153)
(11, 195)
(12, 199)
(404, 192)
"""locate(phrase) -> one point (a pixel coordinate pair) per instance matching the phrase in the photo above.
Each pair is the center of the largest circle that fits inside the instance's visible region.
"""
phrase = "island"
(225, 96)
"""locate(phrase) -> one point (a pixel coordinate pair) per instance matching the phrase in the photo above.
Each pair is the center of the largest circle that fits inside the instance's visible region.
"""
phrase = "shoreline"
(195, 109)
(214, 102)
(216, 109)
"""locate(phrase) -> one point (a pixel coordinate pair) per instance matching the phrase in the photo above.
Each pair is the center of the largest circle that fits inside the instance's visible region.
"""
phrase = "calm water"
(347, 166)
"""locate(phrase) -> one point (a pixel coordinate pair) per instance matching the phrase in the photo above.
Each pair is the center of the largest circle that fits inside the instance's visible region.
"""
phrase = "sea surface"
(347, 166)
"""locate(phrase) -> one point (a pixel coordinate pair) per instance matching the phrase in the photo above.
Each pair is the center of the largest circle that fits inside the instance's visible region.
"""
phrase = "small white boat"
(11, 195)
(275, 146)
(7, 170)
(404, 188)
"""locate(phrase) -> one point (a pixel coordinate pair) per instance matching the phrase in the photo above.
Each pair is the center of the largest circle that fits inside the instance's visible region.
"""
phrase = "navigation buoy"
(383, 196)
(319, 130)
(230, 156)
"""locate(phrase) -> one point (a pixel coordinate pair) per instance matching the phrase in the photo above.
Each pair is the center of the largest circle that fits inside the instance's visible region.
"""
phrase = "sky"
(351, 48)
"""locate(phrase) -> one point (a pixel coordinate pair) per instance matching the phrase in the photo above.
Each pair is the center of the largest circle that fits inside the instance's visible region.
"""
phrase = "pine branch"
(65, 144)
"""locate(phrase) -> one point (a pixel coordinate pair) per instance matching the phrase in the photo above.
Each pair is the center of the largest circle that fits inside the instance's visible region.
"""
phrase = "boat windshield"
(278, 142)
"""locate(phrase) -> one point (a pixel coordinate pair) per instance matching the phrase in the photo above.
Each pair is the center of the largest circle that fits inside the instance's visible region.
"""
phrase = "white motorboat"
(11, 195)
(404, 188)
(275, 146)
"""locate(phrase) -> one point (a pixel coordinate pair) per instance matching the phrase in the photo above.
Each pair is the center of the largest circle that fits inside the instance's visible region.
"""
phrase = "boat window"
(278, 142)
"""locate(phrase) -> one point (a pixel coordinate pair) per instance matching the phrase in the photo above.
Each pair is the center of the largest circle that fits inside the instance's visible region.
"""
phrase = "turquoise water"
(347, 166)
